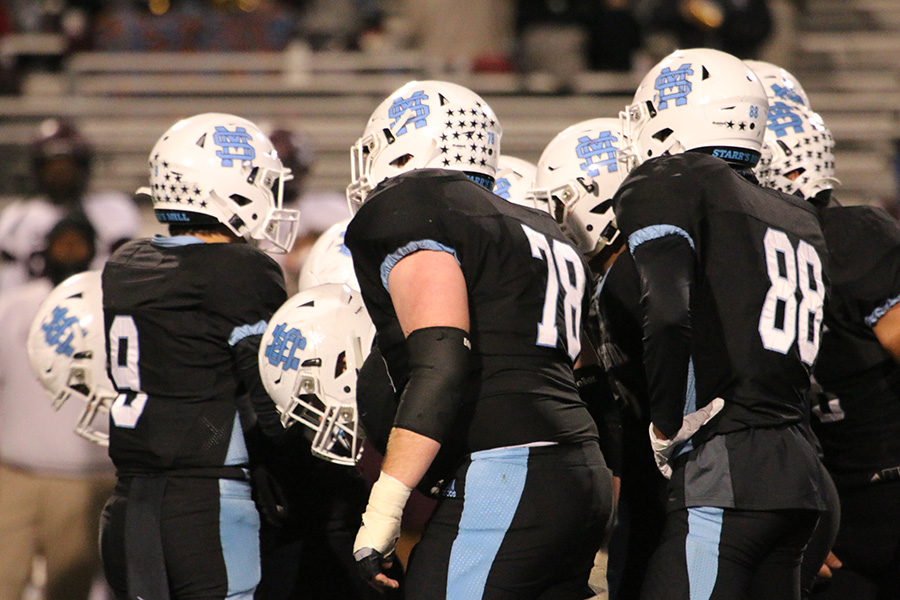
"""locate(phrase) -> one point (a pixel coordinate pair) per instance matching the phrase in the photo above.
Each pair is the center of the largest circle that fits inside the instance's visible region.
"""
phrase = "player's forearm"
(665, 266)
(408, 456)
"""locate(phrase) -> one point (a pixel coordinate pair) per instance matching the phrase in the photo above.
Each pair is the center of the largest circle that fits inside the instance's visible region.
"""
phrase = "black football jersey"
(859, 418)
(528, 292)
(758, 289)
(173, 314)
(749, 279)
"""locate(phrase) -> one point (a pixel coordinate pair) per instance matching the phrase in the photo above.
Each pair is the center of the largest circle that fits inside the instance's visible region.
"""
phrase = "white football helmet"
(697, 99)
(779, 84)
(577, 175)
(329, 260)
(513, 180)
(799, 144)
(425, 125)
(67, 352)
(218, 168)
(309, 358)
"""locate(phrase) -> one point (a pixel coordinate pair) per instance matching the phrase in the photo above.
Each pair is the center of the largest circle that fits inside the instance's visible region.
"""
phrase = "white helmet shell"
(329, 260)
(425, 125)
(697, 99)
(577, 175)
(799, 152)
(513, 180)
(779, 84)
(67, 352)
(219, 168)
(309, 358)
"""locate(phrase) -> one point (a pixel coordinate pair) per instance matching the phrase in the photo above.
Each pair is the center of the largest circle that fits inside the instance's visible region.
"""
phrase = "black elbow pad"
(439, 368)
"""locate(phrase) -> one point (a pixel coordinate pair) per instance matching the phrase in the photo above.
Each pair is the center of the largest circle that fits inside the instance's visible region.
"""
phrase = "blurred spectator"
(204, 25)
(463, 35)
(337, 24)
(61, 160)
(566, 36)
(319, 210)
(738, 27)
(52, 483)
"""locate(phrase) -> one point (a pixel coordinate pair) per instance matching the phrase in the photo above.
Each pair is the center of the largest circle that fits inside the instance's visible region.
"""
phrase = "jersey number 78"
(564, 270)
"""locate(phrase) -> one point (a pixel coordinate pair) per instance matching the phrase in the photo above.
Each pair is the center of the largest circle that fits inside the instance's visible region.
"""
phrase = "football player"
(856, 408)
(309, 358)
(577, 175)
(183, 316)
(478, 305)
(730, 282)
(798, 158)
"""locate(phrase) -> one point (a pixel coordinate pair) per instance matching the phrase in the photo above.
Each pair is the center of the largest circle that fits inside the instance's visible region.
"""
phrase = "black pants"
(181, 538)
(515, 524)
(868, 544)
(711, 553)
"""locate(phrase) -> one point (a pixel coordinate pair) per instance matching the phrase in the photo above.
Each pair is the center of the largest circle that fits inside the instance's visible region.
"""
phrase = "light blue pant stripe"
(702, 550)
(239, 531)
(494, 484)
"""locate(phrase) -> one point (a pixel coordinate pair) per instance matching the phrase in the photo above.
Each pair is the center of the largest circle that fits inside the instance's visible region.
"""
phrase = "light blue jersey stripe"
(237, 446)
(654, 232)
(879, 312)
(164, 241)
(394, 257)
(494, 484)
(701, 549)
(239, 333)
(239, 531)
(690, 404)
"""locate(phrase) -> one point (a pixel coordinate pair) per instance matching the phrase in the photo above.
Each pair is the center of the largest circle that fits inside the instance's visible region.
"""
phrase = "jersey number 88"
(784, 318)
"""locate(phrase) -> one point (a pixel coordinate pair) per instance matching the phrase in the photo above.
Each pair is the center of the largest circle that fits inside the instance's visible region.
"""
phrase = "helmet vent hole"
(443, 99)
(401, 161)
(202, 140)
(340, 365)
(240, 200)
(312, 362)
(662, 135)
(602, 207)
(705, 74)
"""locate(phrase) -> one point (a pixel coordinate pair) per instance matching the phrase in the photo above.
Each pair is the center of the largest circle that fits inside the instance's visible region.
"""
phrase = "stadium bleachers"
(846, 58)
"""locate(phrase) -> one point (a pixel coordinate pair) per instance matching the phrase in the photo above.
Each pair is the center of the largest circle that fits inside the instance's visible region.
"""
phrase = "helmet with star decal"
(219, 168)
(425, 124)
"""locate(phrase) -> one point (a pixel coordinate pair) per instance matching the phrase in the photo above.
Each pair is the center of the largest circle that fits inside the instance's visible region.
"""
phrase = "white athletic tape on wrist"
(381, 522)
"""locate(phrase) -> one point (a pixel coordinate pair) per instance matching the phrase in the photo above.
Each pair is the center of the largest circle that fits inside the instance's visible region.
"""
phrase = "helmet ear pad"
(698, 99)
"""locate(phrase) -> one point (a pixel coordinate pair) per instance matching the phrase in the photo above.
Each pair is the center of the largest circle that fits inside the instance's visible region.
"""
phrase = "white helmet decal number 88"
(782, 317)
